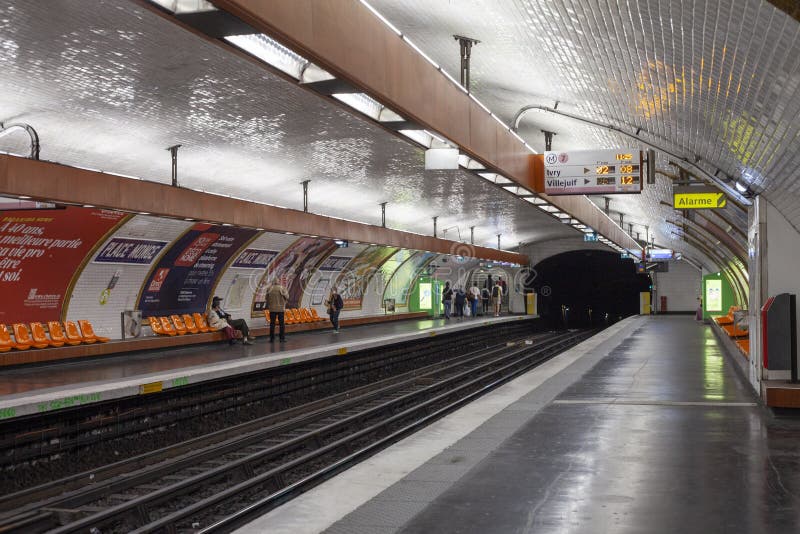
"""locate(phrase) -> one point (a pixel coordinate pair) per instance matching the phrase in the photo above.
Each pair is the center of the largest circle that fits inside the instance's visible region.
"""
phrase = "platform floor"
(25, 390)
(646, 428)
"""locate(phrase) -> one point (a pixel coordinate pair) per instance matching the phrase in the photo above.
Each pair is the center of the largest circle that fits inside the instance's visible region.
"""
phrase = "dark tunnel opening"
(586, 288)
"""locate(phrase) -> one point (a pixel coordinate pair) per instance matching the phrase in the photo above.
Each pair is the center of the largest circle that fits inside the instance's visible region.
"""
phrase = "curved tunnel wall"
(86, 263)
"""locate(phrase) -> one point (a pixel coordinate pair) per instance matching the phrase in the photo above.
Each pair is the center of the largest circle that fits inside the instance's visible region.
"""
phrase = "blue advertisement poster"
(182, 280)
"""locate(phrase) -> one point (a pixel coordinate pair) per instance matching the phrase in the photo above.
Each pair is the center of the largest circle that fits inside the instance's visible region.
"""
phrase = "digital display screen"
(606, 169)
(628, 180)
(606, 180)
(655, 254)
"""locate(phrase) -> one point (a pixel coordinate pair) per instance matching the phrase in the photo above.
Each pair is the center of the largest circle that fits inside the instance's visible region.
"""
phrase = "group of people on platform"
(277, 297)
(458, 302)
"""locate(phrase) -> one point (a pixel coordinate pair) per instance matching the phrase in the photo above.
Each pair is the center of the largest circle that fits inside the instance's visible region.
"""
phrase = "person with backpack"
(460, 301)
(335, 304)
(447, 299)
(473, 296)
(497, 298)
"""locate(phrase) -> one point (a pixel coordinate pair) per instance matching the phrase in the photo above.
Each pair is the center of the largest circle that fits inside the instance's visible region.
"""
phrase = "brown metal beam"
(52, 182)
(346, 39)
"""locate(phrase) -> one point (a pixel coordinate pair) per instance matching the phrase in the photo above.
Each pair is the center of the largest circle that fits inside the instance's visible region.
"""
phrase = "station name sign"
(693, 198)
(588, 172)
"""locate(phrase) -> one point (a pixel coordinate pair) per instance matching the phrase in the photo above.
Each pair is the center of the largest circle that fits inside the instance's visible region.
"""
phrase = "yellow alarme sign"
(699, 200)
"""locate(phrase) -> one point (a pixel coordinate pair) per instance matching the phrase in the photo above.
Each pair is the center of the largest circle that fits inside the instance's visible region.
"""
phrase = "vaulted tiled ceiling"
(714, 82)
(110, 85)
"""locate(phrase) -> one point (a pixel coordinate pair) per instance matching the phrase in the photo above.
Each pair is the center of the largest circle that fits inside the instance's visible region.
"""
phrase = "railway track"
(256, 466)
(42, 447)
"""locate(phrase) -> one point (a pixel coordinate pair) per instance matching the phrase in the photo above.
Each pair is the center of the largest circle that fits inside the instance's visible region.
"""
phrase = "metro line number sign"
(588, 172)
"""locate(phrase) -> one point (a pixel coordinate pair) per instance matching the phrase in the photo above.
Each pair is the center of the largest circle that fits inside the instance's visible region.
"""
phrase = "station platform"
(647, 427)
(63, 384)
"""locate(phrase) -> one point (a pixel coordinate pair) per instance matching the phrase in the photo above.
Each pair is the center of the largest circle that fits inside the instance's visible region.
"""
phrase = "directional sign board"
(589, 172)
(693, 198)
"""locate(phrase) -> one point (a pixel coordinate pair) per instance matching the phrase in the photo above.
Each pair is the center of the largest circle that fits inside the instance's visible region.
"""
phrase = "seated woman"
(217, 321)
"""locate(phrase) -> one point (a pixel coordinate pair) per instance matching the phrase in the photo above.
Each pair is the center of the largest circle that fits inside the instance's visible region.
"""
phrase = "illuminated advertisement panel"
(713, 295)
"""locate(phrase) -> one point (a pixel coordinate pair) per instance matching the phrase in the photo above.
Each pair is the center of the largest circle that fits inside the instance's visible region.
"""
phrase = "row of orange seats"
(298, 316)
(179, 325)
(37, 337)
(740, 335)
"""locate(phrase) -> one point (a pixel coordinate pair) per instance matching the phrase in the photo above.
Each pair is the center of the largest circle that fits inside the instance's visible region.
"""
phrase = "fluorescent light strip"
(515, 134)
(420, 52)
(455, 82)
(487, 110)
(382, 18)
(271, 52)
(498, 119)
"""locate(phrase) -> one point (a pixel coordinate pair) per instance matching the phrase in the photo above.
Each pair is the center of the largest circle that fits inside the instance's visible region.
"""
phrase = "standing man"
(447, 299)
(497, 298)
(277, 297)
(476, 296)
(335, 304)
(237, 324)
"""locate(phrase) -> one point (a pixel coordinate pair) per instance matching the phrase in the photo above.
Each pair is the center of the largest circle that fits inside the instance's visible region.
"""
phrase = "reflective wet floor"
(660, 436)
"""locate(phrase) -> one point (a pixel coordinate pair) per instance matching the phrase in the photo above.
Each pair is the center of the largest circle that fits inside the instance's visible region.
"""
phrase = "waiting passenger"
(497, 298)
(335, 304)
(277, 297)
(460, 301)
(219, 319)
(447, 299)
(473, 296)
(485, 298)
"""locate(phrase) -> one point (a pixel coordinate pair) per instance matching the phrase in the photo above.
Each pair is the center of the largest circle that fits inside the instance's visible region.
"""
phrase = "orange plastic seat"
(23, 337)
(734, 332)
(167, 327)
(201, 322)
(315, 316)
(88, 332)
(74, 335)
(266, 315)
(727, 319)
(744, 346)
(57, 334)
(288, 316)
(6, 343)
(155, 326)
(189, 323)
(40, 336)
(178, 324)
(298, 318)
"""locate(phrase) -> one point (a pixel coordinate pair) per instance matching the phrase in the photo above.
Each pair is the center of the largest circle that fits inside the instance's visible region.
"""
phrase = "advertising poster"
(40, 253)
(353, 281)
(182, 280)
(329, 269)
(400, 284)
(128, 250)
(248, 268)
(713, 295)
(294, 266)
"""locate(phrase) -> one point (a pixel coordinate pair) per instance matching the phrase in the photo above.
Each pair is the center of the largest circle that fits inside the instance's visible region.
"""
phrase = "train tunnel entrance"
(586, 288)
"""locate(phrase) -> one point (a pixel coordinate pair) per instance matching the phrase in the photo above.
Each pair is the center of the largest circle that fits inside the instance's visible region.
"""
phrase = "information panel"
(592, 172)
